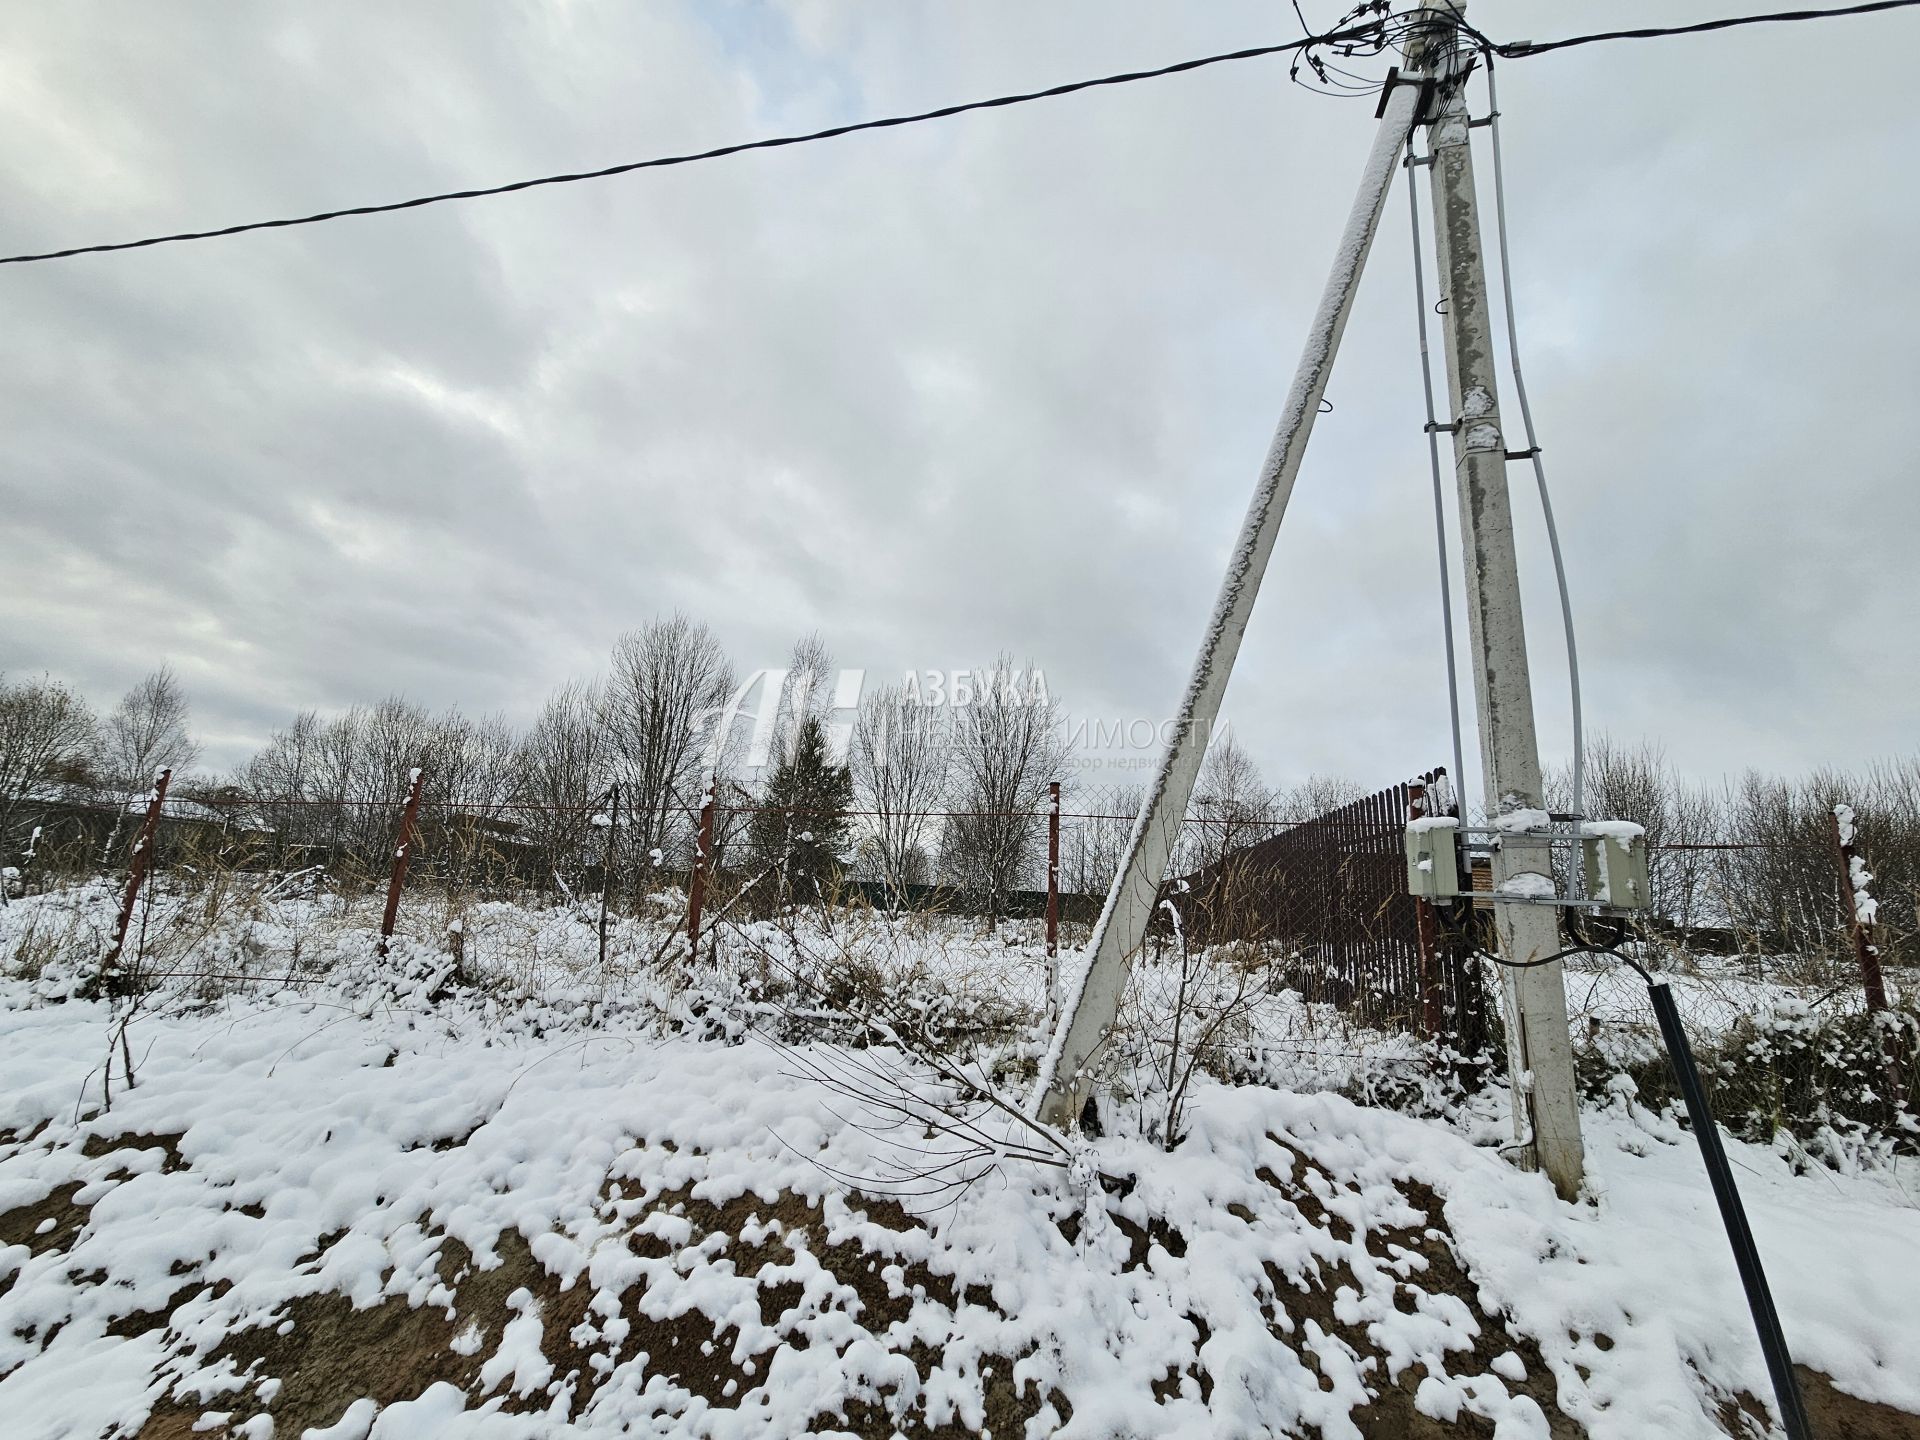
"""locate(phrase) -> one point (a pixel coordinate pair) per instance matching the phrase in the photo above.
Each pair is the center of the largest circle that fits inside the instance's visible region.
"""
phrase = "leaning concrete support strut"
(1092, 994)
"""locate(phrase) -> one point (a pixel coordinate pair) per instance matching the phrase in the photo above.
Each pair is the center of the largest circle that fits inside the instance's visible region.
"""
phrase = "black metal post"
(1746, 1256)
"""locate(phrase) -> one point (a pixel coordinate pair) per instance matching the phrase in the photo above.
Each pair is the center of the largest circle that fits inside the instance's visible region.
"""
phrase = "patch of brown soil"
(1142, 1238)
(334, 1354)
(172, 1424)
(1837, 1415)
(1006, 1410)
(99, 1145)
(1390, 1414)
(20, 1139)
(1833, 1414)
(22, 1225)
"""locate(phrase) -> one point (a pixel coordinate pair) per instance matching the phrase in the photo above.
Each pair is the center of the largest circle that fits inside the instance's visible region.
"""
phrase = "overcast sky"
(1002, 382)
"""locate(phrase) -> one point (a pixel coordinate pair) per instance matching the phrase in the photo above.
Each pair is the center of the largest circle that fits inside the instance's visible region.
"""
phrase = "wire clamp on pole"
(1440, 427)
(1526, 454)
(1429, 86)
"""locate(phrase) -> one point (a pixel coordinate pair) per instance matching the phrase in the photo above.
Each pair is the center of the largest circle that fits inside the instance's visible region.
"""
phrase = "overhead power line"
(1520, 49)
(1353, 34)
(1370, 37)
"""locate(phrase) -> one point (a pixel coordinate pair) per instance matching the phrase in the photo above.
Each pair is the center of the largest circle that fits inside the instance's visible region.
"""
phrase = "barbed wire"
(182, 809)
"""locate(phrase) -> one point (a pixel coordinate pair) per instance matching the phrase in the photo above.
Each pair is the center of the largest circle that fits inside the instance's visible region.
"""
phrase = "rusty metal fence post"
(111, 981)
(606, 866)
(697, 882)
(402, 858)
(1859, 906)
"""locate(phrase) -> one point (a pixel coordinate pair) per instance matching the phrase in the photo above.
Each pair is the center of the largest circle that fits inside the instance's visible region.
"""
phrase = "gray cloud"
(999, 383)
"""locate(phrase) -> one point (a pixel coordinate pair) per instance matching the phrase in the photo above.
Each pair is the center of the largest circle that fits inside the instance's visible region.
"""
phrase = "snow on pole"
(1091, 995)
(697, 881)
(1053, 894)
(606, 868)
(1859, 907)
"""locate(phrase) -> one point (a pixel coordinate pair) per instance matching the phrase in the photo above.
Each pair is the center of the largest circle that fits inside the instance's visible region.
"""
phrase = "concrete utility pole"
(1539, 1051)
(1091, 996)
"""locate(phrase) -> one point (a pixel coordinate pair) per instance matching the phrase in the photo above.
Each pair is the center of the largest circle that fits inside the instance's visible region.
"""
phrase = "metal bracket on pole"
(1091, 998)
(1426, 84)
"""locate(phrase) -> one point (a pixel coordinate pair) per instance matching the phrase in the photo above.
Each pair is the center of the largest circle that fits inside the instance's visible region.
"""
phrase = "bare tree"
(900, 772)
(343, 781)
(44, 728)
(1232, 806)
(1007, 746)
(472, 782)
(336, 785)
(1636, 783)
(1682, 877)
(1096, 842)
(1185, 1015)
(1776, 888)
(280, 780)
(566, 769)
(1315, 795)
(146, 732)
(670, 681)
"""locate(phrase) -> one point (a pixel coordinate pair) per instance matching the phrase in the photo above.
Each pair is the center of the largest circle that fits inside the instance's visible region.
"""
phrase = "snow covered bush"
(1844, 1085)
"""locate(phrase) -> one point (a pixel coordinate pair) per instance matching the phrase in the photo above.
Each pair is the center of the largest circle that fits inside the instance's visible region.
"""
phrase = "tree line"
(909, 795)
(610, 769)
(1755, 856)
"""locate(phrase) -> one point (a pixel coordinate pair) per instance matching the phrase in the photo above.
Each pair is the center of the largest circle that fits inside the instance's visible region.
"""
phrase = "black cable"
(1611, 946)
(1726, 1195)
(1733, 1217)
(1368, 30)
(1561, 955)
(1518, 49)
(1382, 32)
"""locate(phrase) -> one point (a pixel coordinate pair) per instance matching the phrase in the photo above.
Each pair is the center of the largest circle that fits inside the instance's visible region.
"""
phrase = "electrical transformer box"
(1615, 856)
(1433, 858)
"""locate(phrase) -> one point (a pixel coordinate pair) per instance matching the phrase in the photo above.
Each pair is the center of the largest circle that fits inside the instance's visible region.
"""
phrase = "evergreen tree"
(802, 829)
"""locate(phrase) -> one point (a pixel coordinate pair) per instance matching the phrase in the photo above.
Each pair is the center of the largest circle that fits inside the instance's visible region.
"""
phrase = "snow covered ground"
(540, 1208)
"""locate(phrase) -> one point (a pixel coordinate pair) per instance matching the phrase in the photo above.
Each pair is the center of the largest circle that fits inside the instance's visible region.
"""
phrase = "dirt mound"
(505, 1327)
(319, 1354)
